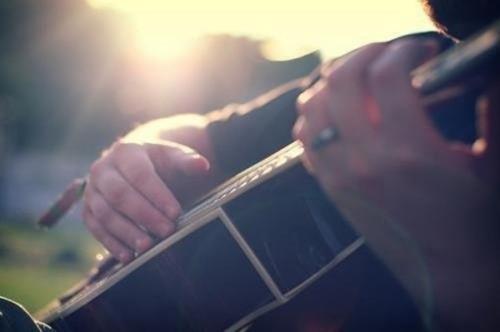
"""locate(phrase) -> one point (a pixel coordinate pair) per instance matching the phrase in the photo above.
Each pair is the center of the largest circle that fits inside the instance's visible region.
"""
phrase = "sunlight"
(165, 29)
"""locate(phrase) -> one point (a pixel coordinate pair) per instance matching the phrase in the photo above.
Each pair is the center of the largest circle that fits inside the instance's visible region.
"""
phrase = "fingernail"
(123, 257)
(165, 230)
(142, 244)
(173, 212)
(205, 163)
(432, 47)
(196, 162)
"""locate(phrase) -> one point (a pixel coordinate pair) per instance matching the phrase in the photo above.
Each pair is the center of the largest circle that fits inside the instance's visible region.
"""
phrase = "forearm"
(186, 129)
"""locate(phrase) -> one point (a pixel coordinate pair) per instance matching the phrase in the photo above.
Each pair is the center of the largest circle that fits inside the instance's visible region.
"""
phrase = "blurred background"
(76, 74)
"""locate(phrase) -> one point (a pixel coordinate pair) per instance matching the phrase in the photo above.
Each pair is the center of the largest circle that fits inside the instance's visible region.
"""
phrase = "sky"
(165, 28)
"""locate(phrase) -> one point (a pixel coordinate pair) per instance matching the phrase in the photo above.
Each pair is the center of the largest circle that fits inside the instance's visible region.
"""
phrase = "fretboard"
(277, 162)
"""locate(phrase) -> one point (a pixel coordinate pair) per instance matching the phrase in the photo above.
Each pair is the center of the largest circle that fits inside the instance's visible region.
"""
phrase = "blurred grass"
(34, 287)
(36, 266)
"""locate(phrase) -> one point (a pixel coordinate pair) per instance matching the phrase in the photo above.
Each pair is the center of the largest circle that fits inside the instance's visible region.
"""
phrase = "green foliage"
(35, 286)
(37, 266)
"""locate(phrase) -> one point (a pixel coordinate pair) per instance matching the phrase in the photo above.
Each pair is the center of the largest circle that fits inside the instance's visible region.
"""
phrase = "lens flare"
(166, 28)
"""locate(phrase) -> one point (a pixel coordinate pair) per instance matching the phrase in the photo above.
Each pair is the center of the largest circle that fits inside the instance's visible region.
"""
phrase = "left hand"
(398, 181)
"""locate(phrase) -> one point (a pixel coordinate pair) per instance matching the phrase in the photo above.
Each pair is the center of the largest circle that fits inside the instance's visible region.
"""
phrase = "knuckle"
(338, 76)
(374, 50)
(348, 67)
(309, 101)
(136, 211)
(302, 102)
(114, 226)
(333, 73)
(115, 192)
(123, 151)
(120, 148)
(374, 46)
(100, 211)
(121, 200)
(154, 186)
(137, 175)
(404, 45)
(93, 227)
(299, 130)
(97, 168)
(381, 73)
(300, 107)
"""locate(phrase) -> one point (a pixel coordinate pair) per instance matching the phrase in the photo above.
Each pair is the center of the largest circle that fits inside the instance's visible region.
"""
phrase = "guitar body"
(267, 251)
(267, 247)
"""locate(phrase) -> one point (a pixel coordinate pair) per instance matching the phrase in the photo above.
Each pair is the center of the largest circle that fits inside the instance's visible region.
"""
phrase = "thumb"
(191, 163)
(173, 159)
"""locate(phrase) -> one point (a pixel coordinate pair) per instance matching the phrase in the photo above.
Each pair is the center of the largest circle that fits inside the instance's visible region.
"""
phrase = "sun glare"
(165, 28)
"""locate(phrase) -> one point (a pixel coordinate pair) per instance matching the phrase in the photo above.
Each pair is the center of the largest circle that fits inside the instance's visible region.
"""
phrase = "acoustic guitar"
(265, 249)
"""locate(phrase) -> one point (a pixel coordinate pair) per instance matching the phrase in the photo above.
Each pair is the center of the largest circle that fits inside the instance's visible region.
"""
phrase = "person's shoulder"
(443, 40)
(15, 318)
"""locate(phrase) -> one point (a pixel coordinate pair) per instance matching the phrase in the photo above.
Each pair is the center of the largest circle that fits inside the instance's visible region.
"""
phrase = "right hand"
(128, 199)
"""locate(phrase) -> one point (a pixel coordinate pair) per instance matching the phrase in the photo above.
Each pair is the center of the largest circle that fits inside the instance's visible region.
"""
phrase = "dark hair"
(461, 18)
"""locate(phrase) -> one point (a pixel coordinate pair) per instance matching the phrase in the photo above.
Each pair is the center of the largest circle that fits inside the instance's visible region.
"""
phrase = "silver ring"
(325, 137)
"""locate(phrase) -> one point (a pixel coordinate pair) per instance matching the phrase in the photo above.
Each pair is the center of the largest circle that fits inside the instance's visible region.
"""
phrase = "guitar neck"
(287, 157)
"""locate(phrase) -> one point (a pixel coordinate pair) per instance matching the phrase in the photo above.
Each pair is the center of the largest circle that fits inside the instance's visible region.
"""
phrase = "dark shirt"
(245, 134)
